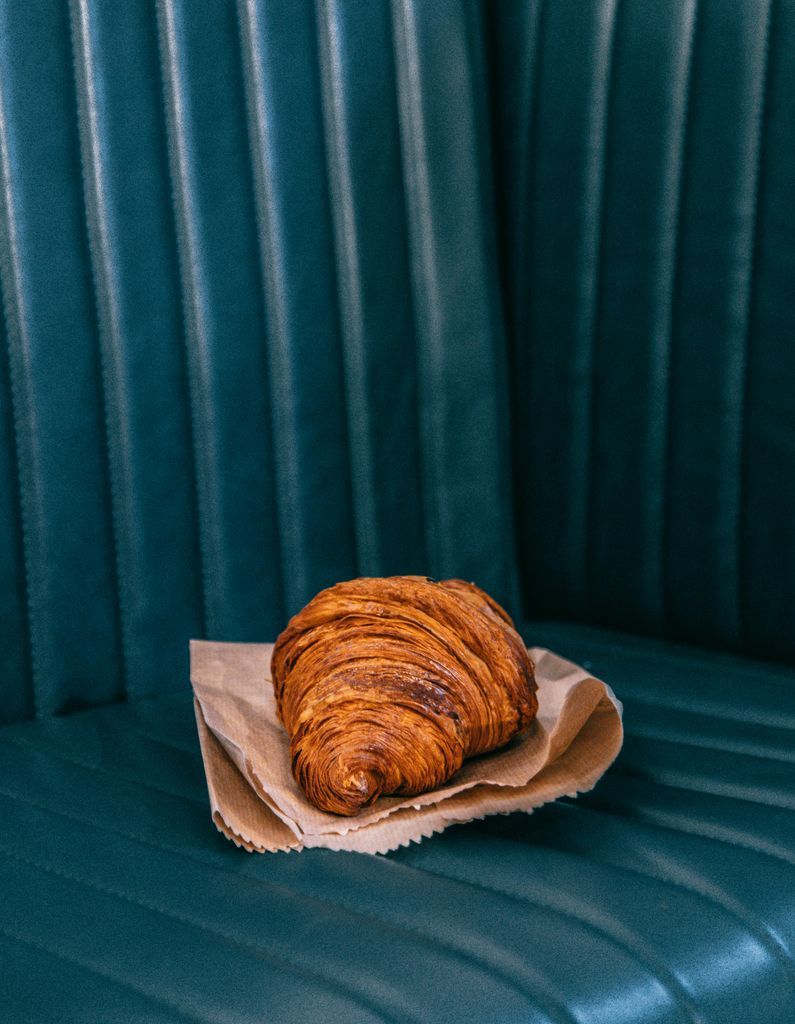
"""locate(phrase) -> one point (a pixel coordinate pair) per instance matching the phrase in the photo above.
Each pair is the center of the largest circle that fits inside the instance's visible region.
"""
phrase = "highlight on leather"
(386, 686)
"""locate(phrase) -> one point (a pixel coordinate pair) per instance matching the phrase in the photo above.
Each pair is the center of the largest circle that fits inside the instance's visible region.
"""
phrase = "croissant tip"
(355, 788)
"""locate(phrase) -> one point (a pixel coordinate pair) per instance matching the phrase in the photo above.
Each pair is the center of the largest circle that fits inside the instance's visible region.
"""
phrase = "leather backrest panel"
(646, 172)
(252, 335)
(256, 330)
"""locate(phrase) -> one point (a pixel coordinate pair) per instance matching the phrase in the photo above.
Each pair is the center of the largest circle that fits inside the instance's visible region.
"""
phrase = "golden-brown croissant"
(386, 685)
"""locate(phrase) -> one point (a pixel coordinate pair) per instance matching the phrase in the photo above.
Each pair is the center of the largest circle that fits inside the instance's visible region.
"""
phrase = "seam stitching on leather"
(349, 300)
(673, 296)
(58, 756)
(188, 314)
(495, 356)
(705, 711)
(251, 948)
(422, 280)
(290, 531)
(639, 731)
(102, 973)
(717, 791)
(91, 199)
(263, 883)
(595, 304)
(621, 936)
(708, 832)
(518, 288)
(764, 936)
(9, 286)
(749, 311)
(182, 748)
(634, 647)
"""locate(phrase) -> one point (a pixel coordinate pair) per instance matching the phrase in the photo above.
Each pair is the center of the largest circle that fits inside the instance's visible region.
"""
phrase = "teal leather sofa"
(298, 291)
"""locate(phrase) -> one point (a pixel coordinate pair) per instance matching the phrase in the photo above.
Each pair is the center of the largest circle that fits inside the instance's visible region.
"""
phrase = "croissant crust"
(386, 685)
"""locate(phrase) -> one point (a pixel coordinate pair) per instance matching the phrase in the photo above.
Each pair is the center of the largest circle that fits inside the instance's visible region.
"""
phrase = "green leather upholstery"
(646, 163)
(252, 325)
(665, 895)
(295, 291)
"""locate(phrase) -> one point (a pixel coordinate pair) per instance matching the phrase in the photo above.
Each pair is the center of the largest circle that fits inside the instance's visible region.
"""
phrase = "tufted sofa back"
(294, 292)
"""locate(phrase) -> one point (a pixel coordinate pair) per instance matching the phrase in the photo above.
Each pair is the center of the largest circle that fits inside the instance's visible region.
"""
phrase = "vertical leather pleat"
(750, 281)
(52, 337)
(136, 285)
(93, 186)
(297, 252)
(458, 319)
(225, 339)
(516, 32)
(637, 268)
(204, 456)
(718, 231)
(17, 701)
(583, 480)
(363, 141)
(767, 525)
(557, 293)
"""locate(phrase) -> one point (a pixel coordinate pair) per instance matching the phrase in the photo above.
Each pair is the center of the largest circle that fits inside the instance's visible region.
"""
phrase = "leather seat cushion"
(665, 895)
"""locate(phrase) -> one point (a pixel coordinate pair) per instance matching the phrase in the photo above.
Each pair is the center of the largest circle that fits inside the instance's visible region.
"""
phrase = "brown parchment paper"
(257, 804)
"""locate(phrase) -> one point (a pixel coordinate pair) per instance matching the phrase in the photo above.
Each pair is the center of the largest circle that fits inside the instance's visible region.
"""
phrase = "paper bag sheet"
(257, 804)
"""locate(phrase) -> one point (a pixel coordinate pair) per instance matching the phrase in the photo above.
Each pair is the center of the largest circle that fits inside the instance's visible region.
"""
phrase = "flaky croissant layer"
(386, 685)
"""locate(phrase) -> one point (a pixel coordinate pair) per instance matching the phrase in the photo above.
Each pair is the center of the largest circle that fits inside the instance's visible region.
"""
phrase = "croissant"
(386, 685)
